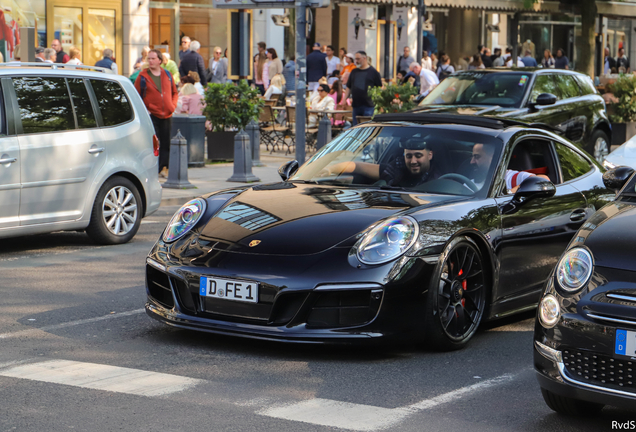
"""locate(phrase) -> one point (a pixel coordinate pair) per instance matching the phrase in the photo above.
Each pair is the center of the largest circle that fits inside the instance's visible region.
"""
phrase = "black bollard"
(242, 160)
(254, 133)
(178, 168)
(324, 132)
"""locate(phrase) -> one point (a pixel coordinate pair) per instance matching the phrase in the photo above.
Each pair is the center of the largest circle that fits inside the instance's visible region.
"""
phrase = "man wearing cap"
(316, 67)
(414, 167)
(39, 55)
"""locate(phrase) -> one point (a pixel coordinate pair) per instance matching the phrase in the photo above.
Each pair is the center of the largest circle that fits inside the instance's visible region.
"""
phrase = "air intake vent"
(159, 287)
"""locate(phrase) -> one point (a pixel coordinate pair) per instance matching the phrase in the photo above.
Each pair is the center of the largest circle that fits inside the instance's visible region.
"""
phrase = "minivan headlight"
(574, 269)
(184, 219)
(388, 240)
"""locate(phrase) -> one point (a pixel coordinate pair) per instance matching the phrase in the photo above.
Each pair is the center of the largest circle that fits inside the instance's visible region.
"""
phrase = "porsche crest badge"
(254, 243)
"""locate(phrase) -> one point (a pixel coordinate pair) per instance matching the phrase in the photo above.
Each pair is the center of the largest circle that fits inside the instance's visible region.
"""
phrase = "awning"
(622, 9)
(494, 5)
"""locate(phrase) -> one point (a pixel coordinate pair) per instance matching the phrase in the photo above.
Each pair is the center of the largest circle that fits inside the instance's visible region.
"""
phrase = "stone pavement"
(213, 177)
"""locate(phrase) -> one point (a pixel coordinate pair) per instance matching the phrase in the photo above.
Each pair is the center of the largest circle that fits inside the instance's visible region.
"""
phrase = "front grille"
(184, 296)
(600, 370)
(159, 287)
(286, 306)
(333, 309)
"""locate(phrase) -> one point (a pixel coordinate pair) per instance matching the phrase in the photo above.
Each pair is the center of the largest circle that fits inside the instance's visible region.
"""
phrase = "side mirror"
(288, 169)
(616, 178)
(543, 99)
(531, 188)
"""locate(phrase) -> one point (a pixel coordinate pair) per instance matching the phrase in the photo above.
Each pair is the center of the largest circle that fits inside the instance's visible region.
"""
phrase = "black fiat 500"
(403, 226)
(585, 335)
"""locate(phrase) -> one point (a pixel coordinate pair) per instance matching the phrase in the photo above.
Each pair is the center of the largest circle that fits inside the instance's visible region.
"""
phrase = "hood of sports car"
(300, 219)
(486, 110)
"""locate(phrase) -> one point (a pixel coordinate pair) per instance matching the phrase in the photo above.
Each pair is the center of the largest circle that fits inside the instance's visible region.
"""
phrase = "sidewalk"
(213, 177)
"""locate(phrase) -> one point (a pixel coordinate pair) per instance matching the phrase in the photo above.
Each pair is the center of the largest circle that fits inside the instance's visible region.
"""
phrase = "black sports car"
(564, 99)
(399, 227)
(585, 336)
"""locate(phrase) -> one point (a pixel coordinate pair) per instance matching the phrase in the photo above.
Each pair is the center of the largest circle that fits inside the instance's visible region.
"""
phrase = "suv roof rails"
(17, 64)
(469, 120)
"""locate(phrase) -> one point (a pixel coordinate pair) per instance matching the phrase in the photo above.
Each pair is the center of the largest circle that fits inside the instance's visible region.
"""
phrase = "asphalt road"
(77, 352)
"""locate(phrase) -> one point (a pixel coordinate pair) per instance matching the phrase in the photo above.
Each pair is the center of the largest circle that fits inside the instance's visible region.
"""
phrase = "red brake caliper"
(463, 287)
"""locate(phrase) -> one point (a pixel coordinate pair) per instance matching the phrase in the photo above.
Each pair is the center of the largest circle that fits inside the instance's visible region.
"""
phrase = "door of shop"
(91, 26)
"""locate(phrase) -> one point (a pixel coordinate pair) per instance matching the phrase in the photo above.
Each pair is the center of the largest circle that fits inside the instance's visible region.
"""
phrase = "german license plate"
(229, 289)
(625, 342)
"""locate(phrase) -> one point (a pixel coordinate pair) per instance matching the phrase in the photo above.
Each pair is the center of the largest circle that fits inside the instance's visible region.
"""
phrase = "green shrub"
(393, 98)
(624, 89)
(231, 105)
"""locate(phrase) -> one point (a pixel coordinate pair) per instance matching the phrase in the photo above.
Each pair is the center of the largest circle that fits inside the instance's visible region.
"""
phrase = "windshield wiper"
(389, 187)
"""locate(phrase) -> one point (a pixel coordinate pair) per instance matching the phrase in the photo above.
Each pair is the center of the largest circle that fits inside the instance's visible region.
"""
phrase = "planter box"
(192, 128)
(220, 145)
(621, 132)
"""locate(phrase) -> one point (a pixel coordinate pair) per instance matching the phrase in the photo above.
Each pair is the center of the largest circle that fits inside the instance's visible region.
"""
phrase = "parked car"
(77, 152)
(625, 155)
(585, 334)
(566, 100)
(369, 241)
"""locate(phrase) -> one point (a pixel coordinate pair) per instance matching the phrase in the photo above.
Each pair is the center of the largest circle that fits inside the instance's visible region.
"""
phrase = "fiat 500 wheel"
(116, 213)
(457, 296)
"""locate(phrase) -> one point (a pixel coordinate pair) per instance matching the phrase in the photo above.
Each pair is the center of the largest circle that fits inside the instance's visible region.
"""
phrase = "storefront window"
(21, 13)
(68, 27)
(101, 27)
(207, 26)
(618, 35)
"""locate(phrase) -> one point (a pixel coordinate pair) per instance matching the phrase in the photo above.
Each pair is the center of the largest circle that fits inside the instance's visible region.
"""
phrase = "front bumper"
(298, 301)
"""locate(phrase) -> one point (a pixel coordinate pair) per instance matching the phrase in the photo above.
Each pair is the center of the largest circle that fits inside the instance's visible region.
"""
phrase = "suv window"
(567, 86)
(586, 84)
(45, 105)
(543, 83)
(113, 102)
(573, 165)
(82, 103)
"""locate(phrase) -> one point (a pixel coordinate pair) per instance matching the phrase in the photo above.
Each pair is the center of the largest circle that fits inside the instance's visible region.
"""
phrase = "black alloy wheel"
(457, 296)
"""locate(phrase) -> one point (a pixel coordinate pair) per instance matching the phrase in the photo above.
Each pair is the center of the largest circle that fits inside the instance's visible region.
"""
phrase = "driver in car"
(412, 169)
(480, 161)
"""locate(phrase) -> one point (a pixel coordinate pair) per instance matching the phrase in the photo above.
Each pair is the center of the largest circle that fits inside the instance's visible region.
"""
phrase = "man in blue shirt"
(316, 67)
(561, 61)
(528, 60)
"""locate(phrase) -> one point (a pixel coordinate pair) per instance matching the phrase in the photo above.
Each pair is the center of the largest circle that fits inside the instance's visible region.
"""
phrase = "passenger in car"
(414, 167)
(480, 162)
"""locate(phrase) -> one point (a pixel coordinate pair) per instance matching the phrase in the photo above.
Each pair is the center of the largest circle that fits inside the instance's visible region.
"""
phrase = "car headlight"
(184, 220)
(574, 269)
(549, 311)
(608, 165)
(388, 240)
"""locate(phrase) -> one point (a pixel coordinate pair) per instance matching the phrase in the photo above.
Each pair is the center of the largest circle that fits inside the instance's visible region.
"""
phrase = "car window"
(82, 103)
(44, 103)
(573, 165)
(113, 102)
(586, 84)
(544, 83)
(532, 156)
(567, 86)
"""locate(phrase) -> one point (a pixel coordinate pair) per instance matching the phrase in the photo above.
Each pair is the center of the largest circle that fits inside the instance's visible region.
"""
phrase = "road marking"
(143, 222)
(69, 324)
(102, 377)
(368, 418)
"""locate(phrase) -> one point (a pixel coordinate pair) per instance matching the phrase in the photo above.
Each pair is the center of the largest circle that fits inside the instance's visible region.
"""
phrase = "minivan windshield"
(505, 89)
(428, 158)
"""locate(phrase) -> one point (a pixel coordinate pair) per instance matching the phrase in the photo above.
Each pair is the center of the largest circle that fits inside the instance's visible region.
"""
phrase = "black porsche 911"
(585, 335)
(412, 225)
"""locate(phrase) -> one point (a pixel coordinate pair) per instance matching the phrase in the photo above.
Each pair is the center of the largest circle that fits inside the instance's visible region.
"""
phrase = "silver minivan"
(77, 152)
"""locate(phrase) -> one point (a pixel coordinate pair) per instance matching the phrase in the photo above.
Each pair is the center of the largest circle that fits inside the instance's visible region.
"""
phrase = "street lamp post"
(301, 67)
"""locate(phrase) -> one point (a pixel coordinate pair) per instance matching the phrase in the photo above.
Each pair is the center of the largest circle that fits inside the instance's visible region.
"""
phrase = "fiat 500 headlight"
(387, 240)
(574, 269)
(184, 220)
(549, 311)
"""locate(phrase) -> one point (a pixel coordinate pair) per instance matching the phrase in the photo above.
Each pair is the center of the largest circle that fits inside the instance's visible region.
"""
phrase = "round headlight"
(184, 220)
(388, 240)
(574, 269)
(549, 311)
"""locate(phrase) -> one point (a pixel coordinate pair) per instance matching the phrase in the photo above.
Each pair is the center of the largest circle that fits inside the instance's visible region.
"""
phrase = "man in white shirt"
(428, 78)
(332, 60)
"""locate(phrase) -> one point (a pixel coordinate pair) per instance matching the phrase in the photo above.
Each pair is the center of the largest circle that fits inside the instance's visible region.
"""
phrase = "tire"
(569, 406)
(599, 145)
(111, 223)
(456, 298)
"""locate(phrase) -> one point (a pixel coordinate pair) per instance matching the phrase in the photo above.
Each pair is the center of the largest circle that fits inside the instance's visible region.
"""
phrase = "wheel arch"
(135, 181)
(605, 127)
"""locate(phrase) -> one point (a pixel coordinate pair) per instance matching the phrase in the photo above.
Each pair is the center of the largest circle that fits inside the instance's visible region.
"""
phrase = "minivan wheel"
(570, 406)
(116, 214)
(599, 145)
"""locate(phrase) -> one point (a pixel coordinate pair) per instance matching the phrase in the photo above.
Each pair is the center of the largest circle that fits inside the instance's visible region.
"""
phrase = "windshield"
(480, 88)
(414, 158)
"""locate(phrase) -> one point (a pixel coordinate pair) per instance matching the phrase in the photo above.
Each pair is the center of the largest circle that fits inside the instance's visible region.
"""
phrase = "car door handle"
(96, 150)
(7, 160)
(577, 215)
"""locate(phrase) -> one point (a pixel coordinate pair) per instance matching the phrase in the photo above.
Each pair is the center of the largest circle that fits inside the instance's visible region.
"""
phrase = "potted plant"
(229, 108)
(623, 111)
(393, 98)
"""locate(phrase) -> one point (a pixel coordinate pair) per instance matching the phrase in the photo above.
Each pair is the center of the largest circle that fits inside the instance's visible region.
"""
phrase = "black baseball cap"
(415, 143)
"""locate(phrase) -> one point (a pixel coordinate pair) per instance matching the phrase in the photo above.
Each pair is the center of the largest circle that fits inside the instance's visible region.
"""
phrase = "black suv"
(563, 99)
